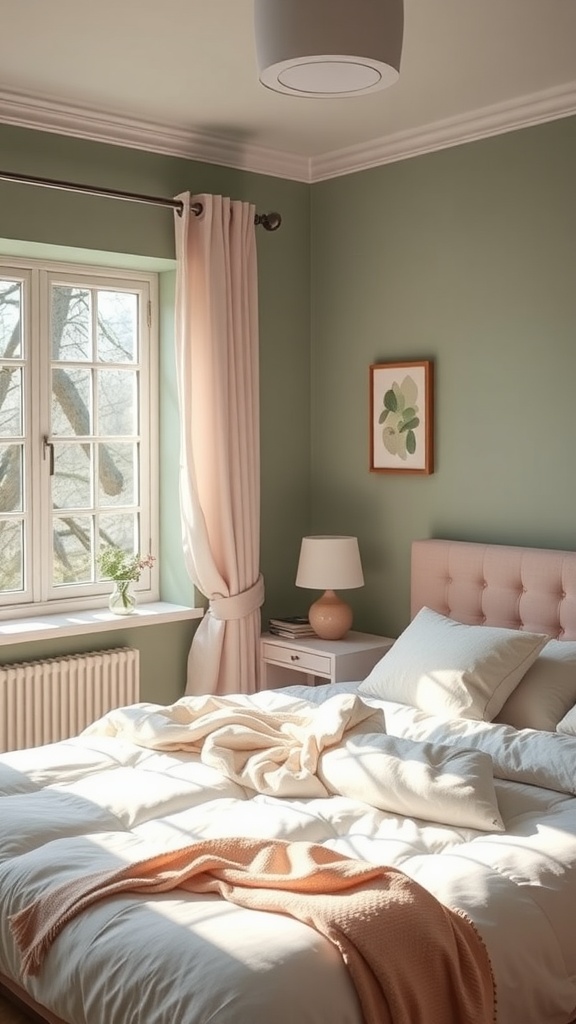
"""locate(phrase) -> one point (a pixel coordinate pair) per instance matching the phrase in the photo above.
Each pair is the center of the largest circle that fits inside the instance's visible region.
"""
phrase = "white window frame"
(39, 275)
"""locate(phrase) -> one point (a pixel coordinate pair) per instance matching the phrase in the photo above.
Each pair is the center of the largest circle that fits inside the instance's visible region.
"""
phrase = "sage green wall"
(467, 257)
(464, 256)
(145, 235)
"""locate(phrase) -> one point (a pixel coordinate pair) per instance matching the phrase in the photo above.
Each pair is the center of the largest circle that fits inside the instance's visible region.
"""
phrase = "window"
(77, 429)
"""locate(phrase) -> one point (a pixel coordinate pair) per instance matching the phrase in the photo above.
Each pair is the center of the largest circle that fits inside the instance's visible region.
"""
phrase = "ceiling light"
(321, 48)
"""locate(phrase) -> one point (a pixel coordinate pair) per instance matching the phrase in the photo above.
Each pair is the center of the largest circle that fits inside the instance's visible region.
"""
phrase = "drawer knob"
(294, 657)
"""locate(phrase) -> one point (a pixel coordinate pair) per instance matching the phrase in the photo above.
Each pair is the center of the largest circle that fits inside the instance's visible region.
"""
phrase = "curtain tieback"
(238, 606)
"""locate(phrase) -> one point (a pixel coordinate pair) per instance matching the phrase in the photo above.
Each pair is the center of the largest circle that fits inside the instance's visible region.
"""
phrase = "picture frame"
(402, 417)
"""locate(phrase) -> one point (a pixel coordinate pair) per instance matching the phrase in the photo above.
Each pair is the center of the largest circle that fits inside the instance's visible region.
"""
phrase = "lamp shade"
(329, 563)
(322, 48)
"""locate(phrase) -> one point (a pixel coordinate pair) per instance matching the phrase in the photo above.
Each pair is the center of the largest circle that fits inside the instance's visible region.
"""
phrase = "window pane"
(71, 323)
(12, 561)
(10, 401)
(117, 327)
(10, 319)
(72, 554)
(117, 407)
(121, 530)
(117, 474)
(10, 479)
(72, 480)
(71, 402)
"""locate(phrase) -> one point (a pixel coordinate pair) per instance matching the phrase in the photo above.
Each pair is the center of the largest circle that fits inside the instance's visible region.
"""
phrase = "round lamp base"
(330, 616)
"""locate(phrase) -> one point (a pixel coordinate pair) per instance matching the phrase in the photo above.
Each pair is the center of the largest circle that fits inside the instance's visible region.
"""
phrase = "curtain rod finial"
(269, 221)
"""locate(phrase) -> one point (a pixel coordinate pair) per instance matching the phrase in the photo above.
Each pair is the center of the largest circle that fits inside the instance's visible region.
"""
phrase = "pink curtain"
(218, 379)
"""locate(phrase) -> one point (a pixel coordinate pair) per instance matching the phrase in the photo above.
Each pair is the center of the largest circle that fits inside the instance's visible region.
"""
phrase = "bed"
(449, 771)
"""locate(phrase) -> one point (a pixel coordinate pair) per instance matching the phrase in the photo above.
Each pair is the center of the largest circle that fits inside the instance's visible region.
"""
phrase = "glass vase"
(122, 600)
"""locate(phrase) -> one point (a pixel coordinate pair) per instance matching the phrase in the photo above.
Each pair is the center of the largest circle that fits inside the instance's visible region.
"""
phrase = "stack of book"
(292, 627)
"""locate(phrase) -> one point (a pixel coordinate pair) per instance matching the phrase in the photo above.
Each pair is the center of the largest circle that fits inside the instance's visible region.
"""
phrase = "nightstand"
(312, 660)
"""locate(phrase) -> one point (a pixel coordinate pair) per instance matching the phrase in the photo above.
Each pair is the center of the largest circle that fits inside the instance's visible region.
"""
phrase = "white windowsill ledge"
(94, 620)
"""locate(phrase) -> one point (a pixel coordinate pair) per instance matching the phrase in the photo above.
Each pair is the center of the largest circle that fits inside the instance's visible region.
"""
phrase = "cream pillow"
(547, 691)
(450, 785)
(453, 670)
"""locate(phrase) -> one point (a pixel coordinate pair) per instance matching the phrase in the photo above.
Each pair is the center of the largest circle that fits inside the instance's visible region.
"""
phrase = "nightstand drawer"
(304, 661)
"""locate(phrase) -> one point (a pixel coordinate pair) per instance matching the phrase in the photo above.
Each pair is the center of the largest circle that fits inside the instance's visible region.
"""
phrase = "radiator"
(45, 701)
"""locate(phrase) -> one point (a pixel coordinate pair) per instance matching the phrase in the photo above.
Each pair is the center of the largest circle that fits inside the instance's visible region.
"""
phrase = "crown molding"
(30, 112)
(480, 124)
(26, 111)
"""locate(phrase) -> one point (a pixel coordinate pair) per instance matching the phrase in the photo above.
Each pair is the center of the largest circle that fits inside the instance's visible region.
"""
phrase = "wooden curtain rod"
(269, 221)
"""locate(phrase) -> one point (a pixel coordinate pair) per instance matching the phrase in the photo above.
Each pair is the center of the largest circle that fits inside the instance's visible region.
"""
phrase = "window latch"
(48, 453)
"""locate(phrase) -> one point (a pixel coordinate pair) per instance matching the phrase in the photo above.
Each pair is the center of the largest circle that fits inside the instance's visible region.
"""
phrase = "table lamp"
(330, 564)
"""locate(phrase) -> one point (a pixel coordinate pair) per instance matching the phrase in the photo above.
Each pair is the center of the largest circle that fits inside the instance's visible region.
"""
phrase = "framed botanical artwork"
(402, 417)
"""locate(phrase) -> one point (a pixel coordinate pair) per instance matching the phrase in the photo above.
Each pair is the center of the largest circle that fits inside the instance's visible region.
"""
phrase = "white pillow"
(435, 782)
(567, 724)
(547, 691)
(453, 670)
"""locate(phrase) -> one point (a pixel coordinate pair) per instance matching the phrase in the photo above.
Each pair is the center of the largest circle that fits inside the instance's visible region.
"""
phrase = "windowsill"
(94, 620)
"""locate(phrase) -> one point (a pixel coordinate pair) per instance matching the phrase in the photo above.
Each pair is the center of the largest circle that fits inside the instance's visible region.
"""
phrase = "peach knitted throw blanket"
(409, 957)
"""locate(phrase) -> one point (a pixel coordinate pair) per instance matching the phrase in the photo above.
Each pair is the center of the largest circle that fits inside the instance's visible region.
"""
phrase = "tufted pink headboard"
(496, 585)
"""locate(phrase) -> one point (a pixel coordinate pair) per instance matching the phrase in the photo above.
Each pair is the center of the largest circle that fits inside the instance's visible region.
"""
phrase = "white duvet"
(99, 799)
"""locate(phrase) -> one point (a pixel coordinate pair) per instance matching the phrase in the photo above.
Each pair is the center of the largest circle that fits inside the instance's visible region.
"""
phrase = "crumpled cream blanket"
(270, 751)
(411, 959)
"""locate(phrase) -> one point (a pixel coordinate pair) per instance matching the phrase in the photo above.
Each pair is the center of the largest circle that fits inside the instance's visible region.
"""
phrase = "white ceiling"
(179, 77)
